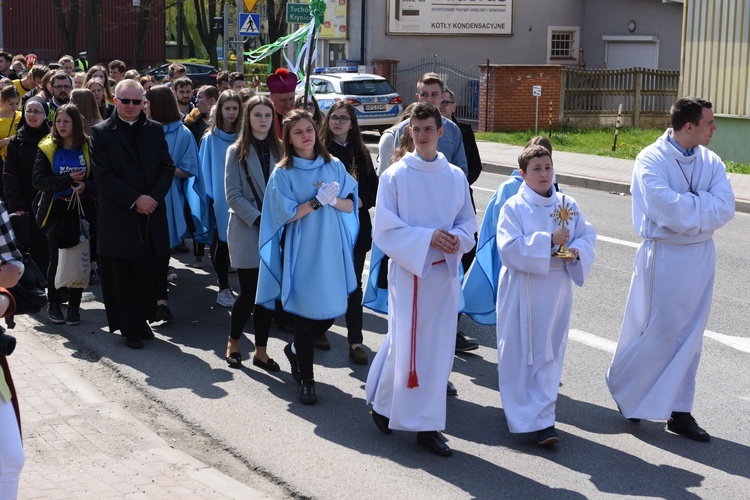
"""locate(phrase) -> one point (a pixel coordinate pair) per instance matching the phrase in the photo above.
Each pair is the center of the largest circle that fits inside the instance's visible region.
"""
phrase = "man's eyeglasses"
(445, 103)
(62, 87)
(340, 119)
(137, 102)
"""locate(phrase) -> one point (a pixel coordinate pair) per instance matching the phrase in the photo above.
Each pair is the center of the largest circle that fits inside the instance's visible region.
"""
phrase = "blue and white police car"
(377, 105)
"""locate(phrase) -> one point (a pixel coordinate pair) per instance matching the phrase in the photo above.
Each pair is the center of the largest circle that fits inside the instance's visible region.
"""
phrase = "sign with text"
(536, 91)
(334, 21)
(450, 17)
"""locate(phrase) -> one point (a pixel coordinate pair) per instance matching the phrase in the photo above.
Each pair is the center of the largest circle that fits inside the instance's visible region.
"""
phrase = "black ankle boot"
(74, 316)
(55, 313)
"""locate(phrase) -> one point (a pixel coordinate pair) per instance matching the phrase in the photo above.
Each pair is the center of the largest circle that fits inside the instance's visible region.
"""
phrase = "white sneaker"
(171, 275)
(225, 297)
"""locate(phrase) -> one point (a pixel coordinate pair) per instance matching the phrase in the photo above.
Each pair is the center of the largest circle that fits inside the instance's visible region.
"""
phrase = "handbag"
(74, 263)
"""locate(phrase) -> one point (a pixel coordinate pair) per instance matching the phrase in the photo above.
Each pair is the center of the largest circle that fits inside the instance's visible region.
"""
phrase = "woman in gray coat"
(249, 164)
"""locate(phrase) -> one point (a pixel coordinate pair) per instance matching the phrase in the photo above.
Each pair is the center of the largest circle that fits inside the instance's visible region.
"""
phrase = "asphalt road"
(333, 450)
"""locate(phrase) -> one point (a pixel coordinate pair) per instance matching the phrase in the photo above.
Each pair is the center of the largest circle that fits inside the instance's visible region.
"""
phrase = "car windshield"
(367, 87)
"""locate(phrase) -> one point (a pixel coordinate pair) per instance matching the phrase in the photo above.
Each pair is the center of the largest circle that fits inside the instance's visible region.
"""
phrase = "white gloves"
(327, 193)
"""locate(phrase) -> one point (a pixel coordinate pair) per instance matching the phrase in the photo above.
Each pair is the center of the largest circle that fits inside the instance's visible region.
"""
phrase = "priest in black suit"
(134, 170)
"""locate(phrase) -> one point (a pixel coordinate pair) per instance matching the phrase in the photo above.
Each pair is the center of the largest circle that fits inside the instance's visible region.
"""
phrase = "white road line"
(740, 343)
(616, 241)
(592, 340)
(483, 189)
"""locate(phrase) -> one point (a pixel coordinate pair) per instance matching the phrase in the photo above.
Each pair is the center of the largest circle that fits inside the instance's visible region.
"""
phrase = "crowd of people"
(281, 194)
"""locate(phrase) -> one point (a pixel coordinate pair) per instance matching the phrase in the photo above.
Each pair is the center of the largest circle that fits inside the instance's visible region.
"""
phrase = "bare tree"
(277, 26)
(93, 13)
(68, 29)
(205, 11)
(145, 15)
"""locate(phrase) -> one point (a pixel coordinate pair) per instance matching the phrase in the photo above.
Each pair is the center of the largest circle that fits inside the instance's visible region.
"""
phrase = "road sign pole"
(536, 121)
(240, 48)
(225, 46)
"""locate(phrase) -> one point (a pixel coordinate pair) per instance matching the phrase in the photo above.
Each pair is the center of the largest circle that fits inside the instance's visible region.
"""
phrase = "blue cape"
(313, 274)
(184, 154)
(213, 158)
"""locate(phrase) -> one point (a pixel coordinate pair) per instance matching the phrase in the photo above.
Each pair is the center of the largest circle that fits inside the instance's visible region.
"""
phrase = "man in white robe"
(681, 195)
(424, 221)
(535, 295)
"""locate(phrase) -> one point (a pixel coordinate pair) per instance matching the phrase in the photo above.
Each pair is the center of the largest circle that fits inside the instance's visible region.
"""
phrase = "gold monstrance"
(563, 215)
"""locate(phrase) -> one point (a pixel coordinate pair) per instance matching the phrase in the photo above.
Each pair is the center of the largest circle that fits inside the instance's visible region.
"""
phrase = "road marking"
(592, 340)
(616, 241)
(740, 343)
(483, 189)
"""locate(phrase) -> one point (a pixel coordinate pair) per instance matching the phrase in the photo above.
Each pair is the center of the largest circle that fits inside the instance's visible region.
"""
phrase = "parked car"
(200, 74)
(377, 105)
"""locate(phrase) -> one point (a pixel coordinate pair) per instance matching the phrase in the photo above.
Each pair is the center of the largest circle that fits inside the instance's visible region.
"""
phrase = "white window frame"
(575, 32)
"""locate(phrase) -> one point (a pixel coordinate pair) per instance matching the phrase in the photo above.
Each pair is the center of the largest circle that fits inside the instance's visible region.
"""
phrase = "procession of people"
(283, 198)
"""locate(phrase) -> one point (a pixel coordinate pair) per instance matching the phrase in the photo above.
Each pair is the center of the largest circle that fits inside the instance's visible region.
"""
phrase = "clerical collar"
(685, 152)
(126, 121)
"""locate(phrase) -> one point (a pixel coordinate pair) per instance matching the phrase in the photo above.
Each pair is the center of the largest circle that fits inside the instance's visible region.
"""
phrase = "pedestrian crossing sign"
(249, 25)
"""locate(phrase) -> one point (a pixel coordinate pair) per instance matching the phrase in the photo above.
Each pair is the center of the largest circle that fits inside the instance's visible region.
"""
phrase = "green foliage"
(595, 142)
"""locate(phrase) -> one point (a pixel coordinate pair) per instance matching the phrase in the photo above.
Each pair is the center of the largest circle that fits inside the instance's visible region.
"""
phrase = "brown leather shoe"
(358, 355)
(322, 343)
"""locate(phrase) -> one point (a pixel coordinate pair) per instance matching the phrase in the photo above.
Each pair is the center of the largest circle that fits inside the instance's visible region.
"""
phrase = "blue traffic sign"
(249, 24)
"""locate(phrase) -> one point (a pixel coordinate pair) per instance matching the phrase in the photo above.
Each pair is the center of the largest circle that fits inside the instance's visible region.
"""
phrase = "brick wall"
(510, 105)
(387, 69)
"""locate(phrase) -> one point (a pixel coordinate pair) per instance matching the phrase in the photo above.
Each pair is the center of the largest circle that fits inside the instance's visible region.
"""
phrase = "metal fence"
(462, 81)
(601, 91)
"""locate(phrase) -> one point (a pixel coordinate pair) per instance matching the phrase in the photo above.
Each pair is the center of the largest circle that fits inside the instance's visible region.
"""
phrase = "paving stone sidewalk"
(79, 444)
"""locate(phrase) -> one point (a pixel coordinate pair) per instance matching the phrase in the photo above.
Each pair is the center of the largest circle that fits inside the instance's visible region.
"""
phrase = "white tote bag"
(74, 263)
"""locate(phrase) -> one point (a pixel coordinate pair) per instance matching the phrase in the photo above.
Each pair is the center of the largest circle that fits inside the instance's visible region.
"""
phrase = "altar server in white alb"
(535, 295)
(681, 195)
(424, 221)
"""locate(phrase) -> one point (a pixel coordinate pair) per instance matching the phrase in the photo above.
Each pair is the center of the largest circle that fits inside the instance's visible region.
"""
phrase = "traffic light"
(218, 25)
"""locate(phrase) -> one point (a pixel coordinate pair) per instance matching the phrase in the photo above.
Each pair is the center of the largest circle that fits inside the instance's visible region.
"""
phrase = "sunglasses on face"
(137, 102)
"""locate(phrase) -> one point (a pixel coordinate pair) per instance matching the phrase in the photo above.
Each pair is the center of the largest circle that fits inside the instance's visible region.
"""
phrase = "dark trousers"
(244, 306)
(354, 305)
(220, 260)
(306, 330)
(160, 280)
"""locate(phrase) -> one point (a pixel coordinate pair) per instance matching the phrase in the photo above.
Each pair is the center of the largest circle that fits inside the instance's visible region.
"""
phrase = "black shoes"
(55, 313)
(381, 421)
(163, 313)
(269, 366)
(306, 392)
(685, 425)
(134, 341)
(322, 343)
(633, 420)
(463, 344)
(234, 360)
(431, 440)
(294, 363)
(73, 317)
(451, 389)
(547, 437)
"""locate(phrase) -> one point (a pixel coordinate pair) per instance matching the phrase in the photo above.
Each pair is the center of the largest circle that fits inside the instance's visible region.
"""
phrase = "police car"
(377, 105)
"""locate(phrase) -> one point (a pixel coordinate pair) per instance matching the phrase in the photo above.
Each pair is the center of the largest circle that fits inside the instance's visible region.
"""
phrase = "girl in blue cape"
(225, 124)
(307, 233)
(162, 108)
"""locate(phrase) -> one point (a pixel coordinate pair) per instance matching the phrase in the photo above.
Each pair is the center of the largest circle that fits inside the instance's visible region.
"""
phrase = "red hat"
(281, 82)
(31, 60)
